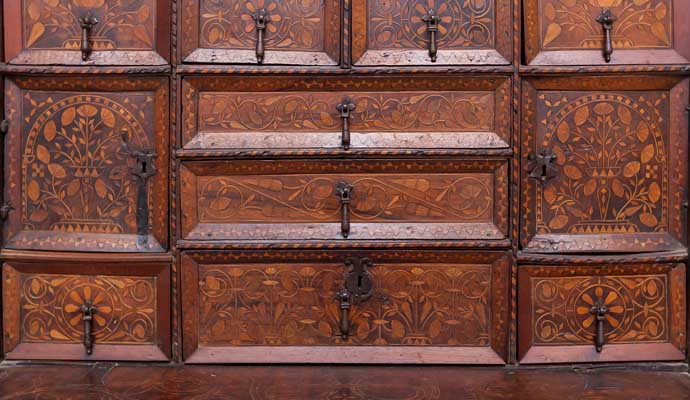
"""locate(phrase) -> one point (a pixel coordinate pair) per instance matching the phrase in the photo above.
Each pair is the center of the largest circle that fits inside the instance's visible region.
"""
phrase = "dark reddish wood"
(646, 319)
(426, 307)
(133, 32)
(42, 320)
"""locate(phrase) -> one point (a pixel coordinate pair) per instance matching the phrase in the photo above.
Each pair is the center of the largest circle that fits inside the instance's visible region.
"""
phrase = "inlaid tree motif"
(123, 24)
(611, 157)
(572, 24)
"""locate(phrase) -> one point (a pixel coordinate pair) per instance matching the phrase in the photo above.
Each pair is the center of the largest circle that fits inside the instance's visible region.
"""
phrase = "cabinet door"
(305, 200)
(288, 306)
(86, 164)
(117, 32)
(604, 164)
(56, 311)
(638, 311)
(290, 32)
(431, 32)
(571, 32)
(384, 115)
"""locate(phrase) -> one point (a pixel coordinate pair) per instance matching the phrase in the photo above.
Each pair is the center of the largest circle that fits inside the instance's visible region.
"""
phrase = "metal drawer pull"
(606, 19)
(87, 23)
(356, 289)
(261, 18)
(432, 20)
(599, 311)
(344, 192)
(87, 312)
(345, 108)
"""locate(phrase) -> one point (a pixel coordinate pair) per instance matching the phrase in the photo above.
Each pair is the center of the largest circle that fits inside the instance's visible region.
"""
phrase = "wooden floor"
(109, 381)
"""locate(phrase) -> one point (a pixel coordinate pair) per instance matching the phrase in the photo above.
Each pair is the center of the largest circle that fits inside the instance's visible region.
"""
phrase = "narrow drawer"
(86, 164)
(345, 307)
(118, 32)
(432, 32)
(604, 164)
(573, 32)
(49, 308)
(348, 199)
(287, 32)
(638, 312)
(364, 113)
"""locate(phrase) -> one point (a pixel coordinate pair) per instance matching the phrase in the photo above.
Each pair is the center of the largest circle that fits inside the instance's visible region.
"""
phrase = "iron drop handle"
(261, 18)
(599, 312)
(344, 297)
(344, 192)
(606, 19)
(87, 312)
(345, 109)
(87, 23)
(432, 20)
(357, 288)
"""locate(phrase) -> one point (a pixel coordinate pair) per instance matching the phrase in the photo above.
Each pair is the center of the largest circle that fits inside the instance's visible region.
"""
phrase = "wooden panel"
(293, 200)
(282, 306)
(42, 317)
(395, 33)
(301, 113)
(298, 32)
(645, 318)
(621, 164)
(566, 32)
(69, 177)
(128, 32)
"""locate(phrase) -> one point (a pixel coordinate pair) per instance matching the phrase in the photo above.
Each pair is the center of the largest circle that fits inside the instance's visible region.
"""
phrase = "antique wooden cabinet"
(345, 181)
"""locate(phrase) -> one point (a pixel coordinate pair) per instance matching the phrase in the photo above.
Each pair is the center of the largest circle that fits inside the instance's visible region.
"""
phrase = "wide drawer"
(604, 164)
(432, 32)
(347, 199)
(345, 307)
(117, 32)
(291, 32)
(574, 32)
(86, 164)
(50, 308)
(365, 113)
(636, 311)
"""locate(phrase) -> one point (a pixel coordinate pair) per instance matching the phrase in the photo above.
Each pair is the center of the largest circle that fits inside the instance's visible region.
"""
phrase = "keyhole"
(143, 166)
(543, 170)
(359, 281)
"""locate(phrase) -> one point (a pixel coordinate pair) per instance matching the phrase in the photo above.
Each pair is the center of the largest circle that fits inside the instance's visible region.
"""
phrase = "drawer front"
(386, 114)
(432, 32)
(570, 32)
(46, 310)
(264, 32)
(295, 200)
(127, 32)
(75, 154)
(441, 307)
(604, 164)
(637, 310)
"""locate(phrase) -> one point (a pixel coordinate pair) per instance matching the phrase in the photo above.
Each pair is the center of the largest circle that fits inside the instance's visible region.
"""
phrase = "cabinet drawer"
(384, 114)
(46, 309)
(433, 32)
(127, 32)
(260, 31)
(86, 165)
(604, 164)
(287, 306)
(303, 200)
(639, 311)
(571, 32)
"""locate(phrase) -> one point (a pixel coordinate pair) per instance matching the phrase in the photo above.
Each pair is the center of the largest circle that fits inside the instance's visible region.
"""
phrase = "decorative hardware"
(357, 288)
(606, 19)
(87, 312)
(432, 20)
(87, 23)
(261, 18)
(5, 210)
(542, 165)
(599, 311)
(4, 126)
(143, 169)
(344, 191)
(345, 108)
